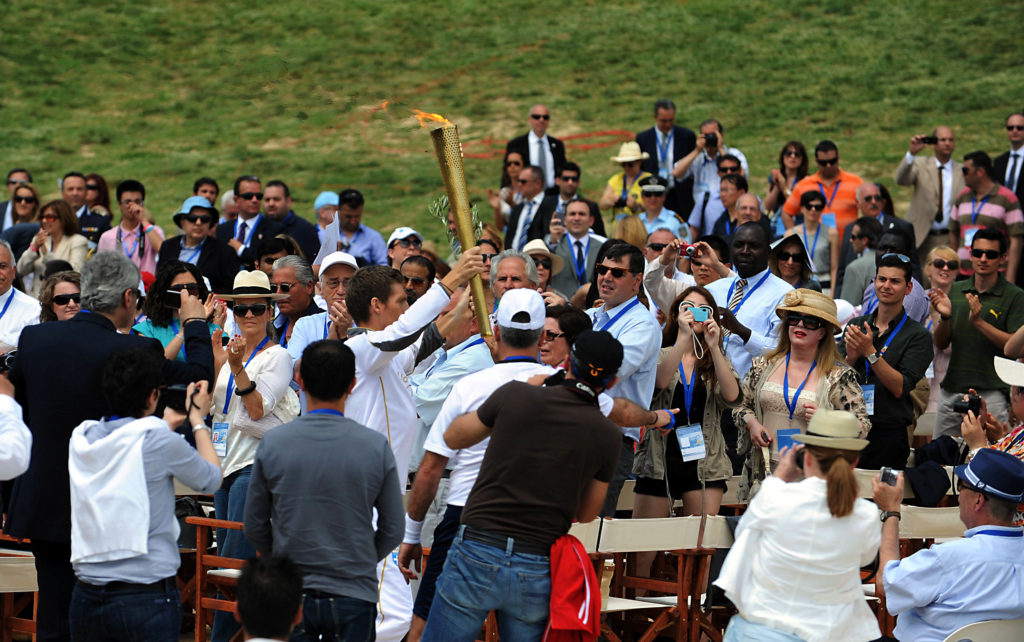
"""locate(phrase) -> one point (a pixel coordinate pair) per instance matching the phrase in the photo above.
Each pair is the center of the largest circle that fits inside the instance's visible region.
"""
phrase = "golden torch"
(449, 157)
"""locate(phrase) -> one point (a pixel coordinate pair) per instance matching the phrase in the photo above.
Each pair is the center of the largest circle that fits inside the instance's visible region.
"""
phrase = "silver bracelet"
(200, 427)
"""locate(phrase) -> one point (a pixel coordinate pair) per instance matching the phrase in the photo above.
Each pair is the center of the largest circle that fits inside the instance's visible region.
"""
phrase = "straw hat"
(252, 285)
(833, 429)
(812, 303)
(629, 152)
(537, 246)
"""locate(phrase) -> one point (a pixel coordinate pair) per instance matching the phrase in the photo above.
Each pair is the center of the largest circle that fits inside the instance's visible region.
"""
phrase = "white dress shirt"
(756, 313)
(549, 160)
(15, 314)
(530, 208)
(1009, 178)
(704, 171)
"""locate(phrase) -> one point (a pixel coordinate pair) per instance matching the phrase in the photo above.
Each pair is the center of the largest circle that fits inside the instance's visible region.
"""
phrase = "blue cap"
(193, 202)
(995, 473)
(325, 198)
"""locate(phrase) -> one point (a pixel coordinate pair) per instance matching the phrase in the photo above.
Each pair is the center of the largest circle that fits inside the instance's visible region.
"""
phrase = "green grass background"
(168, 91)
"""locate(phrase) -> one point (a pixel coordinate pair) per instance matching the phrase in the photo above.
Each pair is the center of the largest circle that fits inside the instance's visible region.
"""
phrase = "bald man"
(932, 199)
(539, 149)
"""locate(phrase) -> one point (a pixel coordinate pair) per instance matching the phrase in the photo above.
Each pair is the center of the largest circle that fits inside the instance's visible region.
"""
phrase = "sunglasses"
(196, 218)
(858, 236)
(284, 288)
(903, 258)
(24, 199)
(14, 182)
(193, 288)
(416, 243)
(571, 179)
(243, 309)
(657, 247)
(415, 280)
(1011, 128)
(64, 299)
(653, 194)
(988, 254)
(792, 152)
(511, 163)
(966, 170)
(827, 161)
(874, 197)
(816, 207)
(542, 262)
(729, 169)
(540, 116)
(92, 186)
(551, 335)
(617, 272)
(487, 257)
(248, 196)
(523, 181)
(48, 217)
(129, 201)
(797, 257)
(938, 264)
(809, 322)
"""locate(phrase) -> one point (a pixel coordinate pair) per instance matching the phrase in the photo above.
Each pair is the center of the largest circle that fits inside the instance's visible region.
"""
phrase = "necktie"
(241, 231)
(524, 230)
(542, 160)
(1011, 182)
(938, 214)
(560, 207)
(734, 301)
(580, 261)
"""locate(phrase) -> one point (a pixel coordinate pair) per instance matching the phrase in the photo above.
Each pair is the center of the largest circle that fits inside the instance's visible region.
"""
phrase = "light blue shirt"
(666, 220)
(704, 171)
(640, 337)
(757, 313)
(366, 243)
(431, 388)
(940, 589)
(704, 217)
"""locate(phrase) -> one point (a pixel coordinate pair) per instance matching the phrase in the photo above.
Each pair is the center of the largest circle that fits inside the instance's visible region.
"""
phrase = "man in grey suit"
(576, 245)
(936, 180)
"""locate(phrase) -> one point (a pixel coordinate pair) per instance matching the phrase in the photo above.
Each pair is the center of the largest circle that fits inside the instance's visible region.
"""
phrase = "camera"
(930, 140)
(973, 404)
(174, 398)
(700, 314)
(798, 454)
(711, 139)
(688, 250)
(887, 476)
(7, 361)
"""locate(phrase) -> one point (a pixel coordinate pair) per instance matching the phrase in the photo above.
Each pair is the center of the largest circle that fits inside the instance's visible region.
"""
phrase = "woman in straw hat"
(251, 396)
(622, 194)
(785, 387)
(793, 571)
(548, 265)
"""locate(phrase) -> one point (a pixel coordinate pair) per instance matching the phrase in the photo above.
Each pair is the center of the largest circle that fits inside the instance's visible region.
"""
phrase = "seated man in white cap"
(980, 577)
(403, 243)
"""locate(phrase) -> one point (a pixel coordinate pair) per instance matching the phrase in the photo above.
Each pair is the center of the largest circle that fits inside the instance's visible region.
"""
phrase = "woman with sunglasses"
(785, 387)
(26, 203)
(161, 315)
(820, 240)
(251, 396)
(622, 193)
(58, 238)
(508, 195)
(788, 260)
(792, 167)
(548, 265)
(97, 194)
(941, 268)
(60, 297)
(695, 376)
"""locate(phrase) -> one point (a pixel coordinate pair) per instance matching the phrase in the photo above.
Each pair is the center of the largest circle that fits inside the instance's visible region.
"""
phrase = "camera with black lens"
(7, 361)
(973, 404)
(711, 139)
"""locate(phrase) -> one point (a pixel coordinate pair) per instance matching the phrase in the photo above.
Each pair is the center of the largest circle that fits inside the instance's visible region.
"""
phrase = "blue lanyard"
(1016, 533)
(192, 257)
(135, 247)
(785, 387)
(327, 323)
(688, 388)
(626, 188)
(815, 244)
(325, 411)
(885, 346)
(663, 149)
(474, 343)
(871, 304)
(8, 304)
(231, 377)
(835, 188)
(252, 228)
(516, 359)
(745, 296)
(976, 209)
(608, 326)
(728, 225)
(284, 334)
(929, 326)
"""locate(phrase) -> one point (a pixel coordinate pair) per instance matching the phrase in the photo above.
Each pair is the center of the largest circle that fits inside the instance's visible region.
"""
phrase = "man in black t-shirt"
(536, 477)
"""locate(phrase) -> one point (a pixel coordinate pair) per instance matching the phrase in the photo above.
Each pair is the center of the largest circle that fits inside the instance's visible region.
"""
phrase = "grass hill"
(168, 91)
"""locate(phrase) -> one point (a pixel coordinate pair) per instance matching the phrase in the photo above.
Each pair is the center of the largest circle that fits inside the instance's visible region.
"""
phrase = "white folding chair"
(989, 631)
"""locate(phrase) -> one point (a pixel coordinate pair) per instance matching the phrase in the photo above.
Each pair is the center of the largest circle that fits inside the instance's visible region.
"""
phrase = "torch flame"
(424, 118)
(384, 105)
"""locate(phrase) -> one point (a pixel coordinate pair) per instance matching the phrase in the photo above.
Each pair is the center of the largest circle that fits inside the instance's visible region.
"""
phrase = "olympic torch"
(449, 157)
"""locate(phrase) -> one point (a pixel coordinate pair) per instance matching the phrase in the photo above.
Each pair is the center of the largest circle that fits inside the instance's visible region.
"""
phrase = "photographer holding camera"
(701, 164)
(124, 534)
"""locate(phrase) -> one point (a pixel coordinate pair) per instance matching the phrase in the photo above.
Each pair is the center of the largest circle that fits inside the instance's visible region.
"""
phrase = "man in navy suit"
(1008, 167)
(91, 224)
(251, 227)
(56, 375)
(520, 218)
(539, 149)
(216, 261)
(277, 204)
(666, 143)
(568, 181)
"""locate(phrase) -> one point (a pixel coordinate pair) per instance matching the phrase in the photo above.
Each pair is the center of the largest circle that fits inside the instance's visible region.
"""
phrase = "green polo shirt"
(970, 363)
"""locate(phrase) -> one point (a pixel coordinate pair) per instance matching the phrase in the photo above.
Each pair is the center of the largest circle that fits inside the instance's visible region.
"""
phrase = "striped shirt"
(999, 209)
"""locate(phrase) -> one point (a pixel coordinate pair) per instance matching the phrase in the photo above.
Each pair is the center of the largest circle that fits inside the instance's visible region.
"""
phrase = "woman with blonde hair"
(631, 230)
(784, 388)
(794, 570)
(941, 268)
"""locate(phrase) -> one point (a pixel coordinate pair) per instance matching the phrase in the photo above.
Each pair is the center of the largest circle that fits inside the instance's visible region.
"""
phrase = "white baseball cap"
(403, 233)
(338, 258)
(521, 301)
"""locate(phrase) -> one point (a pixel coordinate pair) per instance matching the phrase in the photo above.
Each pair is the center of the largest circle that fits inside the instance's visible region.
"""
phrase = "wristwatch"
(886, 514)
(872, 358)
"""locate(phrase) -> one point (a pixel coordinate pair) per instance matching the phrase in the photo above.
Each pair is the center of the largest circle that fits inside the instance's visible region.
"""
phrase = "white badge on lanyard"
(691, 442)
(219, 435)
(869, 397)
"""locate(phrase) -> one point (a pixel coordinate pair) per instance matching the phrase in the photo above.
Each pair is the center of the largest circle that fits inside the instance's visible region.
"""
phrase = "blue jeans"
(102, 614)
(229, 504)
(338, 618)
(479, 578)
(740, 630)
(444, 535)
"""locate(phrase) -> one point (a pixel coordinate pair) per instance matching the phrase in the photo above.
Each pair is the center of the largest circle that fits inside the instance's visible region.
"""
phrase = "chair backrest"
(989, 631)
(587, 533)
(925, 425)
(864, 477)
(930, 523)
(662, 534)
(626, 497)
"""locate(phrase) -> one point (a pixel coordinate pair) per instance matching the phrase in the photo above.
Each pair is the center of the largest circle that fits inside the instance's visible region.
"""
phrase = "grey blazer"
(566, 281)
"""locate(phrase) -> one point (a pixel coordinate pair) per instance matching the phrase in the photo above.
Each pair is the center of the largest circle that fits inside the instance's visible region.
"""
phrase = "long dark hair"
(158, 313)
(798, 146)
(705, 366)
(506, 178)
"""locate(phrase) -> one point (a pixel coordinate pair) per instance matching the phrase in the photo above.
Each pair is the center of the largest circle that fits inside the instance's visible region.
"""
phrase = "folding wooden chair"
(626, 497)
(989, 631)
(214, 574)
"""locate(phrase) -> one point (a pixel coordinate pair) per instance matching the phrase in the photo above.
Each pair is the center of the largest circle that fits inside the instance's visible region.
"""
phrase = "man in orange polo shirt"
(839, 188)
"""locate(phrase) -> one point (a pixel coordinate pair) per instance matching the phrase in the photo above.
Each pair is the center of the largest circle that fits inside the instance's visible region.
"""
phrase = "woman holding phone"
(163, 300)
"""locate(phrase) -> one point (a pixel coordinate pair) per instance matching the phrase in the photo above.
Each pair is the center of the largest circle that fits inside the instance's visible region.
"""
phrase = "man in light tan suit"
(933, 194)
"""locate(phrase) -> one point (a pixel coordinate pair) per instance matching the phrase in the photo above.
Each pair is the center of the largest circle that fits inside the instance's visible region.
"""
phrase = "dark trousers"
(125, 612)
(335, 618)
(444, 535)
(622, 472)
(887, 446)
(56, 581)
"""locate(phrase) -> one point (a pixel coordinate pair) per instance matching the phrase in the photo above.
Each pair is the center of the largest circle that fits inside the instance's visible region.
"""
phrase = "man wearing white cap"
(335, 273)
(403, 243)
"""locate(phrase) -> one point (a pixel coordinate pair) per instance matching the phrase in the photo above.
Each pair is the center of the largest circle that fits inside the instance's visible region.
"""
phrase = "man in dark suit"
(568, 181)
(57, 374)
(577, 247)
(277, 205)
(216, 261)
(15, 177)
(539, 149)
(1008, 167)
(520, 218)
(666, 143)
(91, 224)
(251, 227)
(870, 201)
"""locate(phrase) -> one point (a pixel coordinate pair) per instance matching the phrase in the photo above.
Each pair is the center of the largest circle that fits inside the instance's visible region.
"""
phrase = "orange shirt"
(840, 197)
